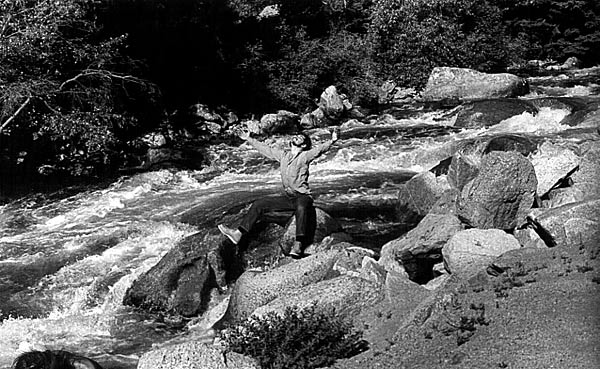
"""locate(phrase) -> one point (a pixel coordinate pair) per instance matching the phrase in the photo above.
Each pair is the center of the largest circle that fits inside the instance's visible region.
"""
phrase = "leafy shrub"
(308, 338)
(552, 29)
(414, 36)
(68, 97)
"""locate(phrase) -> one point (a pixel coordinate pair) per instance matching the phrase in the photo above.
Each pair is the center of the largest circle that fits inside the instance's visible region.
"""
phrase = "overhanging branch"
(99, 73)
(17, 112)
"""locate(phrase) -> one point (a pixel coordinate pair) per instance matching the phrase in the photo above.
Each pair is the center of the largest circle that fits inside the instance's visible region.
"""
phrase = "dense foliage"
(81, 80)
(554, 29)
(412, 37)
(298, 339)
(67, 102)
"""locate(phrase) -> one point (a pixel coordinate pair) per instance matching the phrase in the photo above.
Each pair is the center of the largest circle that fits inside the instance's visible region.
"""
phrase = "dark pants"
(301, 204)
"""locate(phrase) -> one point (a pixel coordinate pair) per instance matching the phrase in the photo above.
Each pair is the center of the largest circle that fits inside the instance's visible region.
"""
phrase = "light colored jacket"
(294, 168)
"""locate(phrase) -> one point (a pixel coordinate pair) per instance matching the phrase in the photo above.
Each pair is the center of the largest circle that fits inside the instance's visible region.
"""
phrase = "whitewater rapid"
(66, 263)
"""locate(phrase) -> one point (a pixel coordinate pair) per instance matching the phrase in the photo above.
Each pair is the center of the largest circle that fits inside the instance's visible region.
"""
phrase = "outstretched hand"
(244, 134)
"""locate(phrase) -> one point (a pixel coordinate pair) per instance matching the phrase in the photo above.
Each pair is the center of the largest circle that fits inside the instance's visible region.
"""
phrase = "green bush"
(308, 338)
(554, 29)
(414, 36)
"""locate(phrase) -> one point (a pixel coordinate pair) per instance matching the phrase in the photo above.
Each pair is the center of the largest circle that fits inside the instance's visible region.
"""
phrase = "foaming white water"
(85, 299)
(546, 121)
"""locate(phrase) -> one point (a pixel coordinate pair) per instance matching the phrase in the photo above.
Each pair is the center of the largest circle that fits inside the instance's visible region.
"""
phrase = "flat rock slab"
(346, 294)
(194, 355)
(570, 225)
(471, 250)
(468, 84)
(255, 289)
(552, 163)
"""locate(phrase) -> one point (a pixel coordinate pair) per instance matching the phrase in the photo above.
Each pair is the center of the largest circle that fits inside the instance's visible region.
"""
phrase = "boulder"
(552, 164)
(281, 122)
(310, 120)
(462, 170)
(415, 253)
(587, 177)
(468, 84)
(332, 103)
(501, 194)
(194, 355)
(254, 289)
(420, 193)
(389, 92)
(346, 294)
(486, 113)
(561, 196)
(463, 166)
(386, 92)
(570, 225)
(528, 237)
(325, 225)
(446, 204)
(179, 283)
(471, 250)
(511, 142)
(571, 63)
(403, 293)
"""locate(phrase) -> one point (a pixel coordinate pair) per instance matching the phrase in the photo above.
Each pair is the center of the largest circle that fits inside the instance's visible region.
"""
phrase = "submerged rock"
(486, 113)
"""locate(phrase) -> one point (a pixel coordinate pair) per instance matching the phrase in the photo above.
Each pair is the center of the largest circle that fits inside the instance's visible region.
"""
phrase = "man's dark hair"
(306, 140)
(52, 359)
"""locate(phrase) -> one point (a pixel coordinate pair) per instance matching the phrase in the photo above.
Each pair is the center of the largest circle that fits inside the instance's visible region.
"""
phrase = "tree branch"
(12, 117)
(99, 73)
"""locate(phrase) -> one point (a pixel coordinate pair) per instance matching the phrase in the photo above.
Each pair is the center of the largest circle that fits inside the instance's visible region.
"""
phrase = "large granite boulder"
(462, 170)
(415, 253)
(331, 103)
(194, 355)
(464, 164)
(179, 282)
(587, 177)
(571, 225)
(468, 84)
(281, 122)
(486, 113)
(552, 164)
(419, 194)
(346, 294)
(254, 289)
(471, 250)
(501, 195)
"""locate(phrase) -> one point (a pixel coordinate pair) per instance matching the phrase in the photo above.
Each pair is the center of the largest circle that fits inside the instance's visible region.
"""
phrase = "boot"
(234, 235)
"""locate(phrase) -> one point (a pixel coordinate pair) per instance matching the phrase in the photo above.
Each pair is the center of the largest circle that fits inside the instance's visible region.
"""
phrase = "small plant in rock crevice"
(297, 339)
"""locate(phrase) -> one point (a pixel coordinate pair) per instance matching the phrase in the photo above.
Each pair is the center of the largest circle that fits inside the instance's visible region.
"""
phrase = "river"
(66, 262)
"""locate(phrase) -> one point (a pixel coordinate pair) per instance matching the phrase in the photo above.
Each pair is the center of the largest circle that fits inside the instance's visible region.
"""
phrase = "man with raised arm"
(294, 167)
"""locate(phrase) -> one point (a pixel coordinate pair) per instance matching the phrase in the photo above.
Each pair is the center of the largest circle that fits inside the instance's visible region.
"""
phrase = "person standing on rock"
(294, 167)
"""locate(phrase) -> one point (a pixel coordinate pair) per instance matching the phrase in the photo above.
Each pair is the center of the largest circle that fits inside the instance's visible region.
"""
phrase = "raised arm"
(264, 149)
(318, 150)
